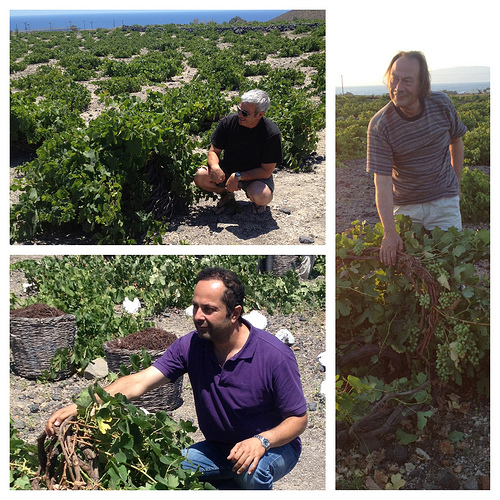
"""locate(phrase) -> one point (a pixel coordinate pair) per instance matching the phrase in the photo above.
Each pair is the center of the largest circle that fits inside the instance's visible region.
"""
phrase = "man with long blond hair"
(415, 152)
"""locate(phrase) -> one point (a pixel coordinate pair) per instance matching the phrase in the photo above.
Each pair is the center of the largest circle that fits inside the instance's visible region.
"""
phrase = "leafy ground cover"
(82, 174)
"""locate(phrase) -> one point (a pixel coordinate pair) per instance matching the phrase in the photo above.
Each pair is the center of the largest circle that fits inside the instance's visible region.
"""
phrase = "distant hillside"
(461, 74)
(294, 15)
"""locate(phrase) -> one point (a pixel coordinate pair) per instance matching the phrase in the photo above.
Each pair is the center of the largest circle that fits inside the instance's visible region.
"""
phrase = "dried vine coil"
(67, 460)
(420, 278)
(163, 202)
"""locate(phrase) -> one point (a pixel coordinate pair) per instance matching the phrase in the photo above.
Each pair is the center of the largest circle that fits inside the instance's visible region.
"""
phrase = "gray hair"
(257, 97)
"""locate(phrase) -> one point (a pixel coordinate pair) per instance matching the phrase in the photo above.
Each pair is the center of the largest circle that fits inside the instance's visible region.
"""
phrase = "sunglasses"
(243, 112)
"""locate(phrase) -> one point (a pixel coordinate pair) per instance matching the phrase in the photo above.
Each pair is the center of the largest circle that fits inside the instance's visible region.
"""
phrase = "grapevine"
(432, 305)
(111, 444)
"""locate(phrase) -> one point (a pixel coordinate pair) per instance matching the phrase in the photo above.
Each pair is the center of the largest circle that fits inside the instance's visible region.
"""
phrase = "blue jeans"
(212, 462)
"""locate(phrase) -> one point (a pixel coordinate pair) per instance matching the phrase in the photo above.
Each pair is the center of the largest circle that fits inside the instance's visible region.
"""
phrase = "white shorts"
(443, 213)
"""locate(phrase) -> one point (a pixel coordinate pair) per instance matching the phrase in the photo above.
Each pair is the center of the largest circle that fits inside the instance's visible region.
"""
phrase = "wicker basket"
(34, 342)
(167, 397)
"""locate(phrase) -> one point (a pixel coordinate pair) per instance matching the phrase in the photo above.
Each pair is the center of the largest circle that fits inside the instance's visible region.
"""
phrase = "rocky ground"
(31, 403)
(434, 462)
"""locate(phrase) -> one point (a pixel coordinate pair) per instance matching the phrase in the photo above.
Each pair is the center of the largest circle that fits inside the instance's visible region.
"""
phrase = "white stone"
(286, 336)
(256, 319)
(131, 306)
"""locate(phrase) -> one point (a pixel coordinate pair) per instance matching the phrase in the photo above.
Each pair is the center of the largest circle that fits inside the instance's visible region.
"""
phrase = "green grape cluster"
(412, 340)
(466, 347)
(446, 299)
(424, 299)
(443, 365)
(358, 247)
(436, 269)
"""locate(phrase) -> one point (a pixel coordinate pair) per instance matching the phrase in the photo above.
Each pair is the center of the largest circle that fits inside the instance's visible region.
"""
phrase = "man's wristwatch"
(238, 177)
(264, 441)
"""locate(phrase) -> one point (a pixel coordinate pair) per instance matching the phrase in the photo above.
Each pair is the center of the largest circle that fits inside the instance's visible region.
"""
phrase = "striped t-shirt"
(415, 151)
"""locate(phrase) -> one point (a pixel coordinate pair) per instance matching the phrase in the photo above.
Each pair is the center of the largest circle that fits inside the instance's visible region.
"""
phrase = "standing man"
(246, 386)
(416, 153)
(246, 147)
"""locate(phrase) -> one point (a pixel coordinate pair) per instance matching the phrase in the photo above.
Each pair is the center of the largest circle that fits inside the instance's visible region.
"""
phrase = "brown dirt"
(149, 338)
(36, 311)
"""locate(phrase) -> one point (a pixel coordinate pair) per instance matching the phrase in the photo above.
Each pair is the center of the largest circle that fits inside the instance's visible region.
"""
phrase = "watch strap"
(264, 441)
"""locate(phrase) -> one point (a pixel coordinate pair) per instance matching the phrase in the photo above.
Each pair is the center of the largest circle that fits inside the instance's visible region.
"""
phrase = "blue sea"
(460, 88)
(93, 19)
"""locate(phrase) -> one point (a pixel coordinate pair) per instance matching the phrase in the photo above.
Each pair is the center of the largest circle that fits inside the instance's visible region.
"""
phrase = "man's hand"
(391, 244)
(58, 417)
(232, 184)
(216, 173)
(246, 455)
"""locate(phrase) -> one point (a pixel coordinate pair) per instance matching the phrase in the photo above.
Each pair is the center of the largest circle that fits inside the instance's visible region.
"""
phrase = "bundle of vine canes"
(380, 420)
(164, 202)
(413, 269)
(67, 460)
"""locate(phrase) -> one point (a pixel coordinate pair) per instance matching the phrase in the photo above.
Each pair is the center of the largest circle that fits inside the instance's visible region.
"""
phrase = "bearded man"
(246, 386)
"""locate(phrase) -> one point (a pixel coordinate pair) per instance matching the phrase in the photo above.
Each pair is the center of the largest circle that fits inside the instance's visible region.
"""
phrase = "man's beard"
(215, 333)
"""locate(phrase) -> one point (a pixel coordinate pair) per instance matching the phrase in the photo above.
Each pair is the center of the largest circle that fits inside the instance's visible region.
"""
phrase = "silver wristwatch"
(238, 176)
(264, 441)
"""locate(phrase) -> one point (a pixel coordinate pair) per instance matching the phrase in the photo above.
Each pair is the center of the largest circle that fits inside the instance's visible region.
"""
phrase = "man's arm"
(132, 386)
(384, 199)
(263, 172)
(215, 172)
(246, 454)
(457, 158)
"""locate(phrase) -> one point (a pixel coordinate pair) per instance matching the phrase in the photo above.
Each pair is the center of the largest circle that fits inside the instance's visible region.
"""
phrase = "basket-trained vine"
(432, 308)
(113, 445)
(121, 177)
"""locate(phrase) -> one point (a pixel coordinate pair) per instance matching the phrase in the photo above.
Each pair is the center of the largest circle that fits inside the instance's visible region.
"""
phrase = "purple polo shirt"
(255, 390)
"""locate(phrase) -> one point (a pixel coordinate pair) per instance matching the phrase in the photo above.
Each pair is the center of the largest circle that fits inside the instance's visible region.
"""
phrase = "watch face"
(265, 442)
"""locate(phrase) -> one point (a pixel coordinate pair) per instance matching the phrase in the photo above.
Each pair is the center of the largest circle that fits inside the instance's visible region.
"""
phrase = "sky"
(449, 34)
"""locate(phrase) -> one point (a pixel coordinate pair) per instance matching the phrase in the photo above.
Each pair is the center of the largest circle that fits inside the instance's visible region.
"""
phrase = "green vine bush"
(475, 196)
(23, 463)
(433, 310)
(401, 330)
(91, 287)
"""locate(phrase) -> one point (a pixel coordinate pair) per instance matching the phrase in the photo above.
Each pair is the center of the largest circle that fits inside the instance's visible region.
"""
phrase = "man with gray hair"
(246, 148)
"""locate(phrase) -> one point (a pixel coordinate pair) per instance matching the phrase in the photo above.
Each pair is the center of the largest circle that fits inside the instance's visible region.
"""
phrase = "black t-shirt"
(247, 148)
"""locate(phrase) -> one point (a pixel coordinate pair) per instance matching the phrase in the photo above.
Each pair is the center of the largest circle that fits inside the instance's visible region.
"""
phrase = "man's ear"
(236, 313)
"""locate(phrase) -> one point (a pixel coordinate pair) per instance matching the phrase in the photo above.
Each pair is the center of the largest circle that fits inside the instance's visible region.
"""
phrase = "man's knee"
(200, 177)
(260, 479)
(259, 193)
